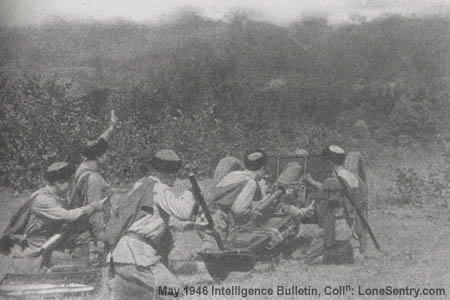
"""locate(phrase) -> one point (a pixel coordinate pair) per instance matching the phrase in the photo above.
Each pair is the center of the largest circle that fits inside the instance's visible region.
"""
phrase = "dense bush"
(412, 189)
(210, 88)
(39, 124)
(413, 118)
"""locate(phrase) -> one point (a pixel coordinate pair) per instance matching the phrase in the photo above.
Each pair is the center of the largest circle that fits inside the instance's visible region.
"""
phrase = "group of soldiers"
(72, 215)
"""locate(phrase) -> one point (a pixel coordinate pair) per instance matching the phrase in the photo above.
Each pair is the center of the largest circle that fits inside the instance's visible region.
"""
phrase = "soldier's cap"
(166, 161)
(303, 152)
(255, 159)
(95, 148)
(333, 153)
(332, 184)
(59, 171)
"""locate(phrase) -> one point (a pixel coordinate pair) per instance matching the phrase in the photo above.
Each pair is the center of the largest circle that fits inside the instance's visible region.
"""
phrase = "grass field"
(416, 255)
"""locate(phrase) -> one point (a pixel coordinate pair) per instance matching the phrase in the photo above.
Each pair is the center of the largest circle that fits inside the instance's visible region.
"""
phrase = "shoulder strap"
(83, 175)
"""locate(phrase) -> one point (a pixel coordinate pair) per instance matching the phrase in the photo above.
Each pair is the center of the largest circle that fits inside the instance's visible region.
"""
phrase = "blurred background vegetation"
(211, 88)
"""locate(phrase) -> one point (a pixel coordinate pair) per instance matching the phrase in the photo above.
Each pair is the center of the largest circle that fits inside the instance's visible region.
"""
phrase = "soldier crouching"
(40, 223)
(139, 254)
(342, 226)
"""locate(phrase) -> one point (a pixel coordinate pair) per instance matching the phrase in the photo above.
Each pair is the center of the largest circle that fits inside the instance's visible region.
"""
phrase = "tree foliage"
(210, 88)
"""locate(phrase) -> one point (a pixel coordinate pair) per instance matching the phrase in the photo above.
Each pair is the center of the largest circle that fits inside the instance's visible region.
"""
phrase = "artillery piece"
(274, 233)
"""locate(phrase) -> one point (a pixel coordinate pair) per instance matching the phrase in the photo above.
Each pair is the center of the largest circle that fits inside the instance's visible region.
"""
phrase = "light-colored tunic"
(136, 246)
(97, 189)
(251, 191)
(48, 215)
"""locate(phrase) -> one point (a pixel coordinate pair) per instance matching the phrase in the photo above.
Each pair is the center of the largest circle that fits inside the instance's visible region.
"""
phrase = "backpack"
(16, 225)
(124, 216)
(223, 196)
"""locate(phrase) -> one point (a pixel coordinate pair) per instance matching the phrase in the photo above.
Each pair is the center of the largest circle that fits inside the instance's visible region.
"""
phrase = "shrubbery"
(412, 189)
(208, 89)
(414, 118)
(38, 125)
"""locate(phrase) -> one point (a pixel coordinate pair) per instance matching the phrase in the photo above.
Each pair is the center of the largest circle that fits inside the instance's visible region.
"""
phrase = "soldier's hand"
(192, 167)
(281, 188)
(263, 185)
(20, 239)
(307, 178)
(309, 213)
(310, 209)
(97, 205)
(114, 121)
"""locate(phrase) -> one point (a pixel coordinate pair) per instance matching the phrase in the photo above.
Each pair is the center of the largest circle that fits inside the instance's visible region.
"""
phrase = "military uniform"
(342, 227)
(43, 215)
(234, 197)
(89, 187)
(359, 192)
(137, 256)
(96, 190)
(240, 204)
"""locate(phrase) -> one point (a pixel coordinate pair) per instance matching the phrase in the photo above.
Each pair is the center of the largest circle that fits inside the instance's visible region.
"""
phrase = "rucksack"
(124, 216)
(17, 225)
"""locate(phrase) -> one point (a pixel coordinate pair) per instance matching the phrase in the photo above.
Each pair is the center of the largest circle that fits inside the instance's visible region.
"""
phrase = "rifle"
(201, 200)
(352, 201)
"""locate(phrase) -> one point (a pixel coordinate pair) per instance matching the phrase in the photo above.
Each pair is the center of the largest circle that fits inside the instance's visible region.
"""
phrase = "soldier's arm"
(108, 132)
(294, 211)
(311, 182)
(51, 209)
(262, 184)
(178, 225)
(243, 203)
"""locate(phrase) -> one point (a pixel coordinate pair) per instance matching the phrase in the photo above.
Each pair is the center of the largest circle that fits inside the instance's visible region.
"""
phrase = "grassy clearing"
(416, 255)
(415, 242)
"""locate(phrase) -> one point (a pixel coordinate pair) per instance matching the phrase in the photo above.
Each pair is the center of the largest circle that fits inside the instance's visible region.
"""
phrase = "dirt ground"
(416, 255)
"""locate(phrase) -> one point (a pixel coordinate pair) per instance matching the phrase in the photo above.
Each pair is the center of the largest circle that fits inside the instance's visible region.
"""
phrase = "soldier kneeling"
(339, 236)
